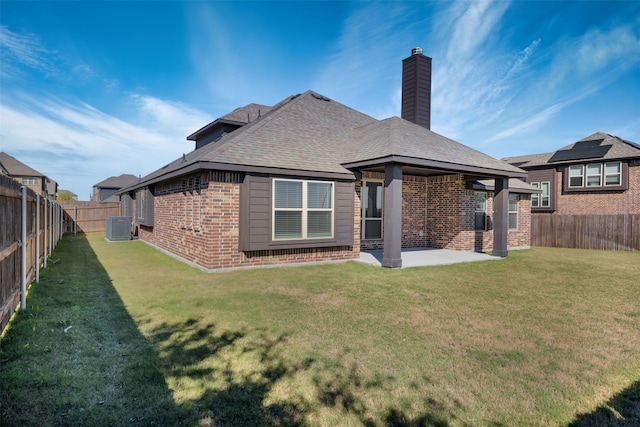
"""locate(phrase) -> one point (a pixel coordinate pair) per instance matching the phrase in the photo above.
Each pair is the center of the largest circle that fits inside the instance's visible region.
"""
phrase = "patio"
(422, 257)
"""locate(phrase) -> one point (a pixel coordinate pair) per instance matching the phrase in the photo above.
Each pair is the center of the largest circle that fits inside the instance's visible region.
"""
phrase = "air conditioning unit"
(118, 228)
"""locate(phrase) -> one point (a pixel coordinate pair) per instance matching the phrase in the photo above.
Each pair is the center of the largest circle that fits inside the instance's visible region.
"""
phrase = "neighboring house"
(67, 195)
(28, 176)
(310, 179)
(599, 174)
(105, 191)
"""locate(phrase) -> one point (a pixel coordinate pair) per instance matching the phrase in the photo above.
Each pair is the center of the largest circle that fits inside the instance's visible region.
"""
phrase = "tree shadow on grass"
(622, 410)
(229, 378)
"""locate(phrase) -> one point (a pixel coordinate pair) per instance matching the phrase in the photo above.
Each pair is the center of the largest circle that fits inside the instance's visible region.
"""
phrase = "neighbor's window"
(545, 197)
(481, 210)
(607, 174)
(513, 211)
(576, 175)
(535, 197)
(371, 196)
(30, 180)
(302, 209)
(594, 175)
(613, 173)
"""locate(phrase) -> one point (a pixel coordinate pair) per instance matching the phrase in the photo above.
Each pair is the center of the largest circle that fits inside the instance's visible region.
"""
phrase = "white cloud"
(18, 49)
(79, 145)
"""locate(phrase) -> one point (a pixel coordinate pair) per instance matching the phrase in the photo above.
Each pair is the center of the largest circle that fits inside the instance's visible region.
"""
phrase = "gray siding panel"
(258, 214)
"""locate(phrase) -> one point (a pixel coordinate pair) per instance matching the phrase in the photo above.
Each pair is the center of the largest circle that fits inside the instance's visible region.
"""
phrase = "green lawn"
(121, 334)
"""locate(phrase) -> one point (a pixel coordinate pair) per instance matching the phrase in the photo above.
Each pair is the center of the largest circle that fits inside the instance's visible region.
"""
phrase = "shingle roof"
(121, 181)
(15, 167)
(311, 133)
(398, 137)
(612, 147)
(239, 116)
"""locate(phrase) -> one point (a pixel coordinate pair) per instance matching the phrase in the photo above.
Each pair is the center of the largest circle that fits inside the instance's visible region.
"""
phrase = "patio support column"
(500, 217)
(392, 255)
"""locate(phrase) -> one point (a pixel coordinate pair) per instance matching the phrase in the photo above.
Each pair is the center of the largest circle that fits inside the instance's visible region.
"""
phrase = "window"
(545, 197)
(30, 180)
(542, 200)
(576, 175)
(513, 211)
(594, 175)
(371, 196)
(535, 197)
(481, 209)
(613, 173)
(141, 205)
(302, 209)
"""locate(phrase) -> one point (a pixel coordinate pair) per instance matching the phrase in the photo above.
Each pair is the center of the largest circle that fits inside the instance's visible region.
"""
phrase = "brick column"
(501, 217)
(392, 254)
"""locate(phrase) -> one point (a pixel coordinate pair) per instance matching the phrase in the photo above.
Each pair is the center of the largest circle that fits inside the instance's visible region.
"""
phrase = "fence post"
(23, 250)
(75, 220)
(37, 266)
(44, 237)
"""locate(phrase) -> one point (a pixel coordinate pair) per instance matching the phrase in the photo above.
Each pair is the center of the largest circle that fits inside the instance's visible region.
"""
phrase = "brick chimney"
(416, 88)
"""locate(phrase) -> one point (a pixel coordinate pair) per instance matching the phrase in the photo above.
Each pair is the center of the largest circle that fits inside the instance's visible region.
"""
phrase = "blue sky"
(90, 90)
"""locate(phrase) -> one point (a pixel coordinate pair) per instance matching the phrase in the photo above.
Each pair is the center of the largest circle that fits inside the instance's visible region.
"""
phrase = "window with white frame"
(371, 196)
(542, 200)
(613, 173)
(480, 210)
(593, 175)
(513, 211)
(302, 209)
(30, 180)
(576, 175)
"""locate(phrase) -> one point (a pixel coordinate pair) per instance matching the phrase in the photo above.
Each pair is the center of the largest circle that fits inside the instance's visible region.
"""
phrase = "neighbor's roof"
(309, 133)
(599, 146)
(15, 167)
(515, 186)
(240, 116)
(121, 181)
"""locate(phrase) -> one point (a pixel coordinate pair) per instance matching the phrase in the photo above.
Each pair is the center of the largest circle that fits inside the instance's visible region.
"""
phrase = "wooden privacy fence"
(608, 232)
(30, 227)
(87, 217)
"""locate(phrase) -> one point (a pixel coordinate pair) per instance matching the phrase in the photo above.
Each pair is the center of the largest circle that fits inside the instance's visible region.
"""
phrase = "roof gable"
(118, 181)
(14, 167)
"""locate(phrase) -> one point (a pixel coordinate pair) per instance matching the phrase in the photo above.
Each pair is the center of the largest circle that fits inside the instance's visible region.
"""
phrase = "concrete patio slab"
(422, 257)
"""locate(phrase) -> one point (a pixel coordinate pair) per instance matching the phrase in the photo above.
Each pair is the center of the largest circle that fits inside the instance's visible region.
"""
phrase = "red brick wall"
(516, 238)
(202, 227)
(602, 203)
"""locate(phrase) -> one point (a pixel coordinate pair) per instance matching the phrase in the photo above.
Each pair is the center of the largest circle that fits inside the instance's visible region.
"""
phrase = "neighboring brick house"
(105, 191)
(310, 179)
(28, 176)
(599, 174)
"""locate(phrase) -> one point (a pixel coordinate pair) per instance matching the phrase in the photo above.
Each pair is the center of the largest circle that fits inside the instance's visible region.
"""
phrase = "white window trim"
(510, 212)
(582, 177)
(605, 174)
(538, 197)
(589, 175)
(363, 207)
(305, 209)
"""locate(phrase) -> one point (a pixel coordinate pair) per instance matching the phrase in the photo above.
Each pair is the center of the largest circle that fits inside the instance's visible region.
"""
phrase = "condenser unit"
(118, 228)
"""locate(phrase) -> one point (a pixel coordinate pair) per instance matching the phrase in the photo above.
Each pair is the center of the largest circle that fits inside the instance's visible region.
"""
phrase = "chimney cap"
(416, 51)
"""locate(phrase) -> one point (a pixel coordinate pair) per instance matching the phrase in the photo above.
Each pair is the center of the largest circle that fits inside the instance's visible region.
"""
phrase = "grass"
(544, 337)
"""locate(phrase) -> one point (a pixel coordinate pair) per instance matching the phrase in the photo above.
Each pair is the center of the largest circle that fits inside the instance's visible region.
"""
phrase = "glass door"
(371, 197)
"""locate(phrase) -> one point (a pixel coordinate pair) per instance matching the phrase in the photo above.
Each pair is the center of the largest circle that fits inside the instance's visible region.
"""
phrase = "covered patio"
(423, 257)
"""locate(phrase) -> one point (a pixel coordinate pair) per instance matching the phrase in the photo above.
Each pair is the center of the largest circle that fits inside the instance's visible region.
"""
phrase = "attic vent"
(320, 97)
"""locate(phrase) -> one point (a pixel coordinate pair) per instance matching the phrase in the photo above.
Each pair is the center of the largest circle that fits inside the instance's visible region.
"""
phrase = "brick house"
(310, 180)
(28, 176)
(600, 174)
